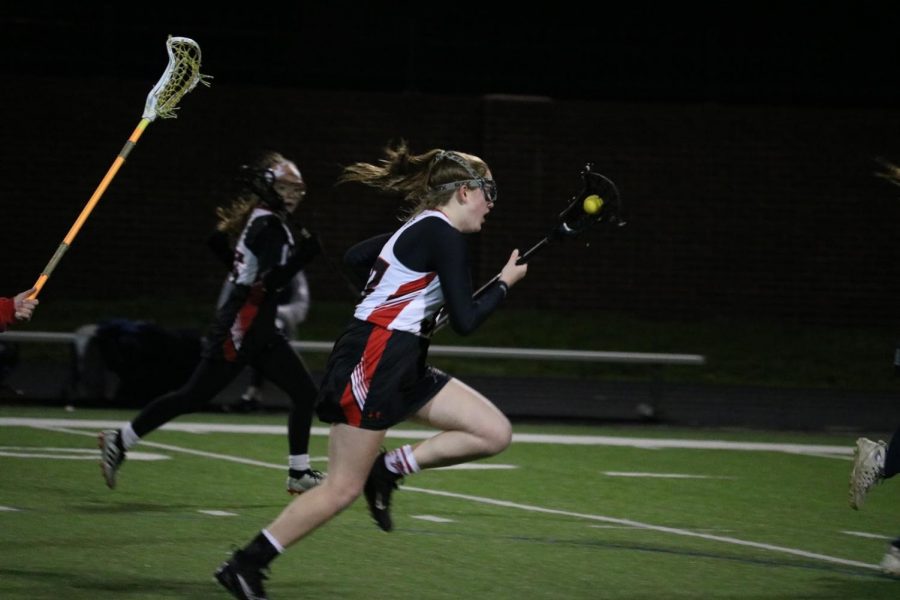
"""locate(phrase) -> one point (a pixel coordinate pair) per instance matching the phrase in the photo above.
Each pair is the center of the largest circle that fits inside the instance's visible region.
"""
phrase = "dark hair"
(233, 217)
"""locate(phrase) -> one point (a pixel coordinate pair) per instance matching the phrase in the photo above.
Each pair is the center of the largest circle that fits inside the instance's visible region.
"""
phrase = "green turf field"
(566, 512)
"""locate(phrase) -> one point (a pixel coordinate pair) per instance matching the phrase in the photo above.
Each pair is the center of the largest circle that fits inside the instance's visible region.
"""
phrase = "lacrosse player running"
(266, 258)
(377, 375)
(873, 462)
(18, 308)
(293, 307)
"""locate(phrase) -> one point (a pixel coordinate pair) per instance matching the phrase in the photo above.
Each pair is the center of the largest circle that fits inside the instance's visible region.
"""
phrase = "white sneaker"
(305, 481)
(890, 564)
(868, 469)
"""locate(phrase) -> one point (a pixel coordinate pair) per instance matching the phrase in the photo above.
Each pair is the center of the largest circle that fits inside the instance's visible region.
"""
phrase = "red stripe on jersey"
(385, 314)
(351, 405)
(413, 286)
(243, 321)
(229, 351)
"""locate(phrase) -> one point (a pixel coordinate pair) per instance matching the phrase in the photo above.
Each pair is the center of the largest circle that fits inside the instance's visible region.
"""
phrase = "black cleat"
(243, 582)
(378, 489)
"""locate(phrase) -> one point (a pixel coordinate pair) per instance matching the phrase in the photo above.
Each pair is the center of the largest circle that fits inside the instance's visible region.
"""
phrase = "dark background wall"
(744, 145)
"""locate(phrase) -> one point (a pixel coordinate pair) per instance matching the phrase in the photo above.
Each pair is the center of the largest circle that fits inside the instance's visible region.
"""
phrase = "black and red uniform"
(377, 374)
(244, 331)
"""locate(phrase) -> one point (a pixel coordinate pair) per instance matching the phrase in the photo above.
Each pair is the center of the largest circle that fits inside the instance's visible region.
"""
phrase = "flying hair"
(417, 177)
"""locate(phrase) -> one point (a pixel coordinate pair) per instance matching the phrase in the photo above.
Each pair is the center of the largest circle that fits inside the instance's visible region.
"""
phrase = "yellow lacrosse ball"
(592, 204)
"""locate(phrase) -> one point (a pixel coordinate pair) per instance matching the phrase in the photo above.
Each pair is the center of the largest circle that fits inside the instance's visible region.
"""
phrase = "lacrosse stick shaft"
(570, 223)
(89, 207)
(521, 261)
(444, 317)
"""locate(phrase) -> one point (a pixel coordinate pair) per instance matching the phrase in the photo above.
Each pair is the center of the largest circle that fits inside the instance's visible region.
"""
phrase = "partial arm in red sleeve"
(7, 312)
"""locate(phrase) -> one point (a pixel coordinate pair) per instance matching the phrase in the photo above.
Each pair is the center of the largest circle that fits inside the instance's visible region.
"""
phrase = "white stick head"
(182, 74)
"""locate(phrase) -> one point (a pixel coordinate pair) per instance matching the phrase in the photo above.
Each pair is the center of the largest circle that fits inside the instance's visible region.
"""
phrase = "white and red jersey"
(247, 305)
(398, 297)
(250, 264)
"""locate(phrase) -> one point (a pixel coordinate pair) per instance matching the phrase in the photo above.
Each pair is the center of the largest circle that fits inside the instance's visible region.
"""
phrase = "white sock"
(299, 462)
(129, 437)
(401, 461)
(273, 541)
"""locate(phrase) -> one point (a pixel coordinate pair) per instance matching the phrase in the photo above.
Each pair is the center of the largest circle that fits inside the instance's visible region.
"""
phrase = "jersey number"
(375, 275)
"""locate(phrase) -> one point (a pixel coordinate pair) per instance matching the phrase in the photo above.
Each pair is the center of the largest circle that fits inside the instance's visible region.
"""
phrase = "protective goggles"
(488, 185)
(290, 188)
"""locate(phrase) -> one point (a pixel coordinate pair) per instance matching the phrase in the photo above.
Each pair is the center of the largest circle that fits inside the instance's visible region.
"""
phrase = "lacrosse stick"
(597, 202)
(181, 76)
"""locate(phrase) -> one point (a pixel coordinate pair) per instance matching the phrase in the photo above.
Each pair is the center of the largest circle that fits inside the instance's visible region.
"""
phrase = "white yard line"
(414, 434)
(67, 425)
(638, 524)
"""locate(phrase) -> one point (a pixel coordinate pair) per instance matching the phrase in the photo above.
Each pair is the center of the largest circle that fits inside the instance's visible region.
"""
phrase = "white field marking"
(638, 524)
(474, 466)
(702, 529)
(217, 513)
(59, 425)
(662, 475)
(521, 438)
(69, 453)
(432, 518)
(874, 536)
(183, 450)
(9, 509)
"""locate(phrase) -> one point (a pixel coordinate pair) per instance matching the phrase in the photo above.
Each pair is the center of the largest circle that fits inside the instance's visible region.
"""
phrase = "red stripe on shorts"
(371, 356)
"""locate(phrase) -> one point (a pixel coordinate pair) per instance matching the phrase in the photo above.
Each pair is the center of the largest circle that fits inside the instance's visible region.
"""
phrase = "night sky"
(784, 53)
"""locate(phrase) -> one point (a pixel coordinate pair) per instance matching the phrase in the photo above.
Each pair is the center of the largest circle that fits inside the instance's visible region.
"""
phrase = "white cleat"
(868, 469)
(307, 480)
(890, 564)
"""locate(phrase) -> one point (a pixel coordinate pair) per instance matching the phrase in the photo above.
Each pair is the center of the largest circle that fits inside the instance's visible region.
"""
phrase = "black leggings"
(277, 362)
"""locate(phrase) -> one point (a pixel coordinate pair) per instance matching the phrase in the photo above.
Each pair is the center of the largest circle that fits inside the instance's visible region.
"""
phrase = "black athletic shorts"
(376, 378)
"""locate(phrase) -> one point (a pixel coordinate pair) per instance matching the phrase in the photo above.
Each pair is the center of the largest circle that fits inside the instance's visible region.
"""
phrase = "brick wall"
(733, 210)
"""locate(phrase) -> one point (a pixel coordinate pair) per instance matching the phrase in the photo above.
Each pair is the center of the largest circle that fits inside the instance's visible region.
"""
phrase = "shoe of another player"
(868, 468)
(112, 454)
(890, 564)
(303, 481)
(244, 405)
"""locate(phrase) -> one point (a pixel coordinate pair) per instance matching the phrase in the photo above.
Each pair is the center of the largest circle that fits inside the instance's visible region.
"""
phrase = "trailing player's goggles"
(290, 188)
(488, 185)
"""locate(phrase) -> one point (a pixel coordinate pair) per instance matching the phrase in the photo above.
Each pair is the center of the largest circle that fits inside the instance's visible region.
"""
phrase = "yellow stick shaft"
(89, 207)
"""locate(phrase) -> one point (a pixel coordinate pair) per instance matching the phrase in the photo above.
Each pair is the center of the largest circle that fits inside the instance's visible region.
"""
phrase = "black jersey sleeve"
(217, 242)
(358, 260)
(267, 239)
(308, 247)
(434, 245)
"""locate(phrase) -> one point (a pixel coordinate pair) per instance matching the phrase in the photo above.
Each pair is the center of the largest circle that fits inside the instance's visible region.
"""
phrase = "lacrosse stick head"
(182, 74)
(575, 218)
